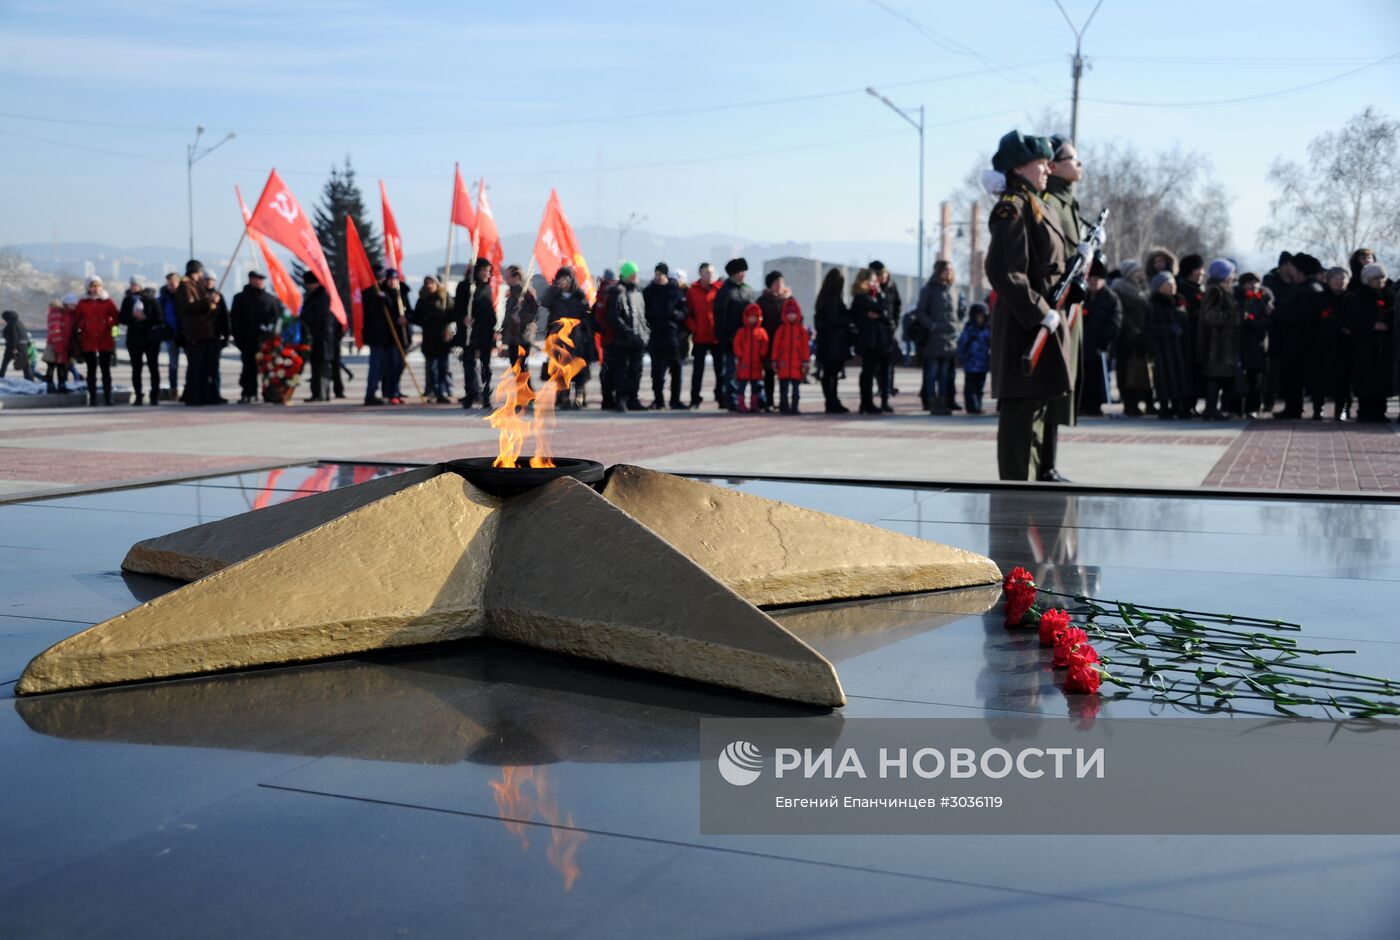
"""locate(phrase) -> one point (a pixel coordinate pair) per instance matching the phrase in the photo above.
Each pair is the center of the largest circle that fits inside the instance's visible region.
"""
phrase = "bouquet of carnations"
(1191, 658)
(280, 364)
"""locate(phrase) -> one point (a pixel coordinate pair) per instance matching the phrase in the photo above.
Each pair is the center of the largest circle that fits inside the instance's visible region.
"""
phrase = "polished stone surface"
(480, 789)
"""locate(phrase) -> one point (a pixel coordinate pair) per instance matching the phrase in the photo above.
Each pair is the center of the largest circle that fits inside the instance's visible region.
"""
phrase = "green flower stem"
(1231, 651)
(1228, 618)
(1174, 641)
(1190, 628)
(1260, 677)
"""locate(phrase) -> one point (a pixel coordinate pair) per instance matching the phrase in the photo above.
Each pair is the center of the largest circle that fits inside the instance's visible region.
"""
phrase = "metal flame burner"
(508, 481)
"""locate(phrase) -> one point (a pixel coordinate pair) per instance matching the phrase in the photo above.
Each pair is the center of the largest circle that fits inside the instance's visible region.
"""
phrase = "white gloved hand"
(1051, 321)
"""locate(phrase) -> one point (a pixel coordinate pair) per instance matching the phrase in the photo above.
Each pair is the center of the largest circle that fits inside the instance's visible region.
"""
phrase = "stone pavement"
(46, 449)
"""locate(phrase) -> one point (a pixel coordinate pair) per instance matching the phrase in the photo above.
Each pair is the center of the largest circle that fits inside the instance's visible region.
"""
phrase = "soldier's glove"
(1051, 321)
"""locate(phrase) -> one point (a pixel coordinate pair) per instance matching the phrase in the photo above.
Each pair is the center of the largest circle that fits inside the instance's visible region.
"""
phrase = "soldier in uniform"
(1065, 170)
(1025, 259)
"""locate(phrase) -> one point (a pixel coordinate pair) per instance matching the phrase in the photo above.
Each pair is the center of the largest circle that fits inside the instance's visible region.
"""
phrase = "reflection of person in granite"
(1013, 677)
(1040, 532)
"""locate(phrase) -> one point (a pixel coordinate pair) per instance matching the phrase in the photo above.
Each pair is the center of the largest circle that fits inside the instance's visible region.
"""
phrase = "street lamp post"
(193, 154)
(623, 228)
(918, 126)
(1076, 66)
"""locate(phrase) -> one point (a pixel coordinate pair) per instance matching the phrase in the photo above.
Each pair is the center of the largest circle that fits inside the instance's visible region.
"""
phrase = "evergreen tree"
(341, 197)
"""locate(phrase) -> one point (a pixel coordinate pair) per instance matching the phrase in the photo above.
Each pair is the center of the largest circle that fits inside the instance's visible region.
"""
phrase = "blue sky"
(629, 107)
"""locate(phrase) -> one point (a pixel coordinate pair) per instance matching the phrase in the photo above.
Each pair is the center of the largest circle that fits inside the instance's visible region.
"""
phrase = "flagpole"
(451, 229)
(403, 354)
(228, 267)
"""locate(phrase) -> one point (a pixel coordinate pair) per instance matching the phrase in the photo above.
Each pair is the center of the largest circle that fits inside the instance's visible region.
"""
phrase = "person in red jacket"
(700, 324)
(58, 342)
(792, 349)
(96, 316)
(750, 353)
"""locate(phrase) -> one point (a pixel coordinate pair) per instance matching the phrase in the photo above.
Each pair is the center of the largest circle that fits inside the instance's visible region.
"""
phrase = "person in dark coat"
(974, 355)
(1329, 362)
(475, 309)
(518, 322)
(1024, 261)
(318, 331)
(1218, 340)
(1103, 318)
(1066, 169)
(894, 312)
(873, 330)
(1291, 341)
(201, 308)
(144, 320)
(1371, 319)
(431, 316)
(1281, 282)
(1134, 348)
(16, 346)
(731, 300)
(1190, 287)
(564, 300)
(1166, 328)
(835, 334)
(937, 319)
(1256, 305)
(253, 319)
(665, 306)
(398, 330)
(629, 334)
(174, 341)
(1356, 264)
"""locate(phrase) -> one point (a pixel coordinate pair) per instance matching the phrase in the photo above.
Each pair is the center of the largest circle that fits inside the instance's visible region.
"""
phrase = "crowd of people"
(1187, 338)
(1183, 338)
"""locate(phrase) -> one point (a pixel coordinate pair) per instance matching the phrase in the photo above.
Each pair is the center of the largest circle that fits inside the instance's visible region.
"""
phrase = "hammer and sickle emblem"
(284, 207)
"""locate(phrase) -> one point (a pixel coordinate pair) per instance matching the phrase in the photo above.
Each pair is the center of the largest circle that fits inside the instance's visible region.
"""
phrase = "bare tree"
(1168, 198)
(12, 265)
(1348, 195)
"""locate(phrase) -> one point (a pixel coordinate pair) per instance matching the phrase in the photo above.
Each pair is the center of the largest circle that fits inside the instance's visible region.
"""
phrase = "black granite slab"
(477, 789)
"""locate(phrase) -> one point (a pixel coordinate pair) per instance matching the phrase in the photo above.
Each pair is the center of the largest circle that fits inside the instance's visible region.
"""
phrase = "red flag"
(279, 216)
(393, 244)
(361, 277)
(282, 284)
(462, 213)
(489, 240)
(556, 246)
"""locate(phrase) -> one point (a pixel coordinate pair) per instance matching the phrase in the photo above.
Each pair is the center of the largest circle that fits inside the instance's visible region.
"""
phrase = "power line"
(956, 46)
(517, 125)
(848, 139)
(1235, 60)
(1245, 99)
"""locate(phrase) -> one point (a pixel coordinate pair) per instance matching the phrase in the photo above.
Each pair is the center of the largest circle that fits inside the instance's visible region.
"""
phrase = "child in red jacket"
(750, 349)
(792, 349)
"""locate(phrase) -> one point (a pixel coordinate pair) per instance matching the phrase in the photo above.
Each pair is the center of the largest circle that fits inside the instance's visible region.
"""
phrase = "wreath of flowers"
(280, 364)
(1163, 649)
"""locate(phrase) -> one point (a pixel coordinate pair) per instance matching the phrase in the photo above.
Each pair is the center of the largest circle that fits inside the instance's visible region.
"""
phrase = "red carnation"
(1052, 624)
(1019, 601)
(1081, 655)
(1072, 637)
(1016, 577)
(1083, 679)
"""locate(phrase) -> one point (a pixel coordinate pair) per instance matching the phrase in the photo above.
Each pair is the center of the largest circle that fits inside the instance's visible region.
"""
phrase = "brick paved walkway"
(1311, 455)
(43, 449)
